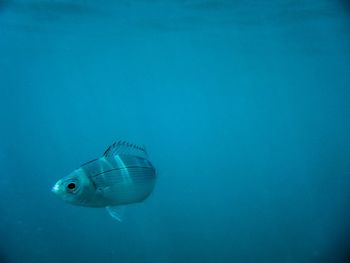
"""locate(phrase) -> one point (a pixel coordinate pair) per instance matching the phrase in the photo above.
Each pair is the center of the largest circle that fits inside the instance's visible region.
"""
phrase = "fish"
(123, 175)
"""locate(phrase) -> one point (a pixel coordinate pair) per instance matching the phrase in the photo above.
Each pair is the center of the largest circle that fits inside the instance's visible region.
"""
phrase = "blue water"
(244, 107)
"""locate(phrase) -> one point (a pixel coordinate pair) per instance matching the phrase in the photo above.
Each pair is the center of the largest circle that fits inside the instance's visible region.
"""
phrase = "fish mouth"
(55, 189)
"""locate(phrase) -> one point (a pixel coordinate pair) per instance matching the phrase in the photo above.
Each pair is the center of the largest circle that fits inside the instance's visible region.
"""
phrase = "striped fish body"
(123, 175)
(119, 180)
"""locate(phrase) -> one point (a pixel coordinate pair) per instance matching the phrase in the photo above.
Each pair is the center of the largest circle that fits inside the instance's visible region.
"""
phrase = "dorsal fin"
(123, 147)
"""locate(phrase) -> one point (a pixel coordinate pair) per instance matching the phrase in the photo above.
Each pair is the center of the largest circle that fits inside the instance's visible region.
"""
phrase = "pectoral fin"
(117, 212)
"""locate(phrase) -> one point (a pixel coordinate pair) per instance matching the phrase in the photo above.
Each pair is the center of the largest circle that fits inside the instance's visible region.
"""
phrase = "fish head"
(73, 188)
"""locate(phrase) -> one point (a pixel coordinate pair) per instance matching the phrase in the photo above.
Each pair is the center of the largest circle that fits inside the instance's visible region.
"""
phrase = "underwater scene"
(168, 131)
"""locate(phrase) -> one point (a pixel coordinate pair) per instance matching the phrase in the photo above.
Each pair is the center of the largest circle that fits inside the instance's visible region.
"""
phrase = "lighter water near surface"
(244, 107)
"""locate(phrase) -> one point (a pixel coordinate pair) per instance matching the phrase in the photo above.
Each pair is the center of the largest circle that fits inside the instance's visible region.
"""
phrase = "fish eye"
(71, 186)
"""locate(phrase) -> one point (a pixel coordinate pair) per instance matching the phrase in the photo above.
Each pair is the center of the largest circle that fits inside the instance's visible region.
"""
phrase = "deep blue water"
(244, 107)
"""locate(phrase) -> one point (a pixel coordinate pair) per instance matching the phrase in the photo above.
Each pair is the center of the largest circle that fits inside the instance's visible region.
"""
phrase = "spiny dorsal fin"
(123, 147)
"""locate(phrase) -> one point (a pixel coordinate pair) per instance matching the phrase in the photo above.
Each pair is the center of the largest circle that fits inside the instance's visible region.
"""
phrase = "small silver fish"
(123, 175)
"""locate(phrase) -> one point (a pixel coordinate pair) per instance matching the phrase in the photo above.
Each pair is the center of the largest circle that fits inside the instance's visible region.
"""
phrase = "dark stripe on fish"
(116, 169)
(88, 162)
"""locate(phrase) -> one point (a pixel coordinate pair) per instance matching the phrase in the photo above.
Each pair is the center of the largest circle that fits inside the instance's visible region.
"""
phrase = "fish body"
(123, 175)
